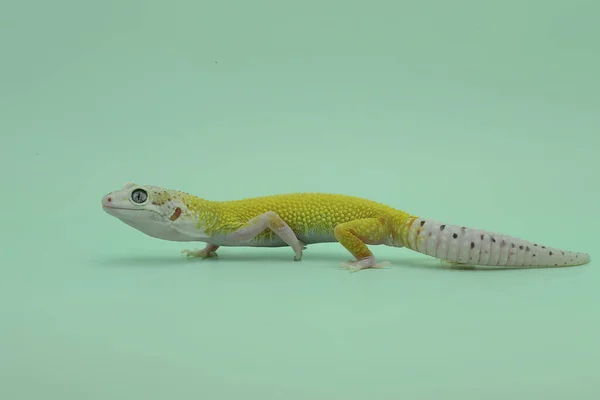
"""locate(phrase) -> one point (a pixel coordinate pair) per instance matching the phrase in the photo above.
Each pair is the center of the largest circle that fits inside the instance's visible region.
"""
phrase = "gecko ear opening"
(176, 214)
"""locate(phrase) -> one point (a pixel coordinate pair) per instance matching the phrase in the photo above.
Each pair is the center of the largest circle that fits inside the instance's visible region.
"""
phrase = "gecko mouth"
(122, 208)
(123, 212)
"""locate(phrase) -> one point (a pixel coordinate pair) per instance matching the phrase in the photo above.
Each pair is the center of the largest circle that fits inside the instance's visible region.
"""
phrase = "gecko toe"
(197, 253)
(369, 262)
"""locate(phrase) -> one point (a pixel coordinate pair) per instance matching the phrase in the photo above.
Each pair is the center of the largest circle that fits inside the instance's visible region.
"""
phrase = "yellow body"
(314, 218)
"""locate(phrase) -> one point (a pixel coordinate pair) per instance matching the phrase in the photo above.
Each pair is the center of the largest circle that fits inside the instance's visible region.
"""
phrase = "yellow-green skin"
(314, 218)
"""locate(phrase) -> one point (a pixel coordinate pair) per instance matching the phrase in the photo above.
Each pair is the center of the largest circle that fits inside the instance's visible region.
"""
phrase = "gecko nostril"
(109, 199)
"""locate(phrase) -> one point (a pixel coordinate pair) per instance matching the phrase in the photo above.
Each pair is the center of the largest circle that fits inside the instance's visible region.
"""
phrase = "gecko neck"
(200, 217)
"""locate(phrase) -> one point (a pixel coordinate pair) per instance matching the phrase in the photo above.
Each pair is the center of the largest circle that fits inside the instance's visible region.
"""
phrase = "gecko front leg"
(354, 235)
(273, 221)
(209, 251)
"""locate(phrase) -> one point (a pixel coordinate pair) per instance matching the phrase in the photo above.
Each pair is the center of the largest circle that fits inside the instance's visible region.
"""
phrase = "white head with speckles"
(155, 211)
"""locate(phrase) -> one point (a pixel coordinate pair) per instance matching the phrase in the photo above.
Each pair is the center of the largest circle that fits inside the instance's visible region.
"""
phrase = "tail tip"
(582, 258)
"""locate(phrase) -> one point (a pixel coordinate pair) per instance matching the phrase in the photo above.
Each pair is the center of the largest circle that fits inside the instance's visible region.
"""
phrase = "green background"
(480, 113)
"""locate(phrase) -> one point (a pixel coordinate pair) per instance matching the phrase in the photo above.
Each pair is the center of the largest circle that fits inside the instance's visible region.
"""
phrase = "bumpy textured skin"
(305, 218)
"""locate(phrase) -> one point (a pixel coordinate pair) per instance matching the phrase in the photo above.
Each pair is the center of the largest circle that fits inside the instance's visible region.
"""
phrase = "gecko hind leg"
(273, 221)
(209, 251)
(355, 235)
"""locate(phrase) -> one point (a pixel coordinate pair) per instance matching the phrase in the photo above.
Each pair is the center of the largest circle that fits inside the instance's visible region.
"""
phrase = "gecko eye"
(139, 196)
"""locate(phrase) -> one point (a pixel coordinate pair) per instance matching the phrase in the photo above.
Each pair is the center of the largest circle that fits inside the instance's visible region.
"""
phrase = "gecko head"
(149, 209)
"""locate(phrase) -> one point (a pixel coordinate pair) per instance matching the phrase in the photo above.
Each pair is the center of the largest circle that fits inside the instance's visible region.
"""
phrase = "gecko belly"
(270, 239)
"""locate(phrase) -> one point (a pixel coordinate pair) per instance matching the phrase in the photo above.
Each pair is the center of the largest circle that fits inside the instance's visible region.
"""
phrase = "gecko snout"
(106, 200)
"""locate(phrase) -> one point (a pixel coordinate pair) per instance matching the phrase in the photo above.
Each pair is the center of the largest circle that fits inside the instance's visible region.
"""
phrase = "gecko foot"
(298, 251)
(369, 262)
(204, 253)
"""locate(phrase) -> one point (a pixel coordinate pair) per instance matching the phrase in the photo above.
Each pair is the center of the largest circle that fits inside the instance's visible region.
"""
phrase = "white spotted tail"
(463, 245)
